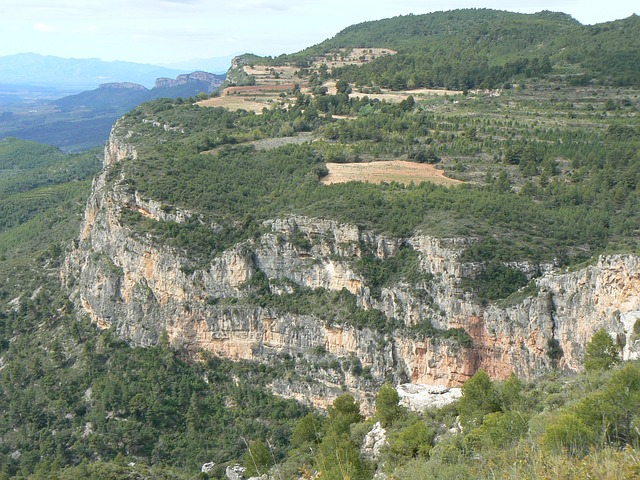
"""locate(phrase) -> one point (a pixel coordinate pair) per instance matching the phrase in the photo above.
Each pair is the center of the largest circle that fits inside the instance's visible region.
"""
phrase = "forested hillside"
(550, 176)
(466, 49)
(553, 428)
(39, 188)
(547, 165)
(71, 395)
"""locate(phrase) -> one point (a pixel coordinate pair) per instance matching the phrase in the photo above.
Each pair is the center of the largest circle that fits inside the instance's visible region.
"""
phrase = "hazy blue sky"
(162, 31)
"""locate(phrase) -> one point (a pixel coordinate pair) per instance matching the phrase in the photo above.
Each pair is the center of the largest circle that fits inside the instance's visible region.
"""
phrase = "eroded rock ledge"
(140, 289)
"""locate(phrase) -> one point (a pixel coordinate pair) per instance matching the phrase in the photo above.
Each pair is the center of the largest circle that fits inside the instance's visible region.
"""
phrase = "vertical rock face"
(208, 80)
(140, 289)
(118, 149)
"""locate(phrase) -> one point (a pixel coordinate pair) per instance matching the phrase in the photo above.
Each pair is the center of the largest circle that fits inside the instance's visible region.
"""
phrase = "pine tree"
(602, 353)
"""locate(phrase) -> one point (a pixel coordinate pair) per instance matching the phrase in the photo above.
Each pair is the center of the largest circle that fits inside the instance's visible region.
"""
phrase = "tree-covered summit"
(404, 31)
(483, 48)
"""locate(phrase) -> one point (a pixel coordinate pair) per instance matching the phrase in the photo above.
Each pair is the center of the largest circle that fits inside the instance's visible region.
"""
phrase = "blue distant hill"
(78, 74)
(83, 120)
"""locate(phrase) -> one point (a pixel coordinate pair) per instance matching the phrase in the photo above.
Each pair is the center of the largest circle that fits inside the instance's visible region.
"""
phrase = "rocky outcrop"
(209, 80)
(235, 472)
(139, 288)
(116, 150)
(423, 397)
(373, 442)
(123, 86)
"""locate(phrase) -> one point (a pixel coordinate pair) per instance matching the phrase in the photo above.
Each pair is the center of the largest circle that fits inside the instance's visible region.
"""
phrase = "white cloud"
(43, 27)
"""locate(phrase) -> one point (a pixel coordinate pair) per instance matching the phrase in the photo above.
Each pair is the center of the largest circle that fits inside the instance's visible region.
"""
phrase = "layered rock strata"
(141, 289)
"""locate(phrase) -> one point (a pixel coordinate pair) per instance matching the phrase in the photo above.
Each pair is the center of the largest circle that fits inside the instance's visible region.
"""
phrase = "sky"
(168, 31)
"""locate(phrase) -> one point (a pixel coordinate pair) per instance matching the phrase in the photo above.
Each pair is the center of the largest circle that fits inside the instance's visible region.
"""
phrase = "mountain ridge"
(83, 120)
(214, 203)
(49, 70)
(133, 281)
(485, 48)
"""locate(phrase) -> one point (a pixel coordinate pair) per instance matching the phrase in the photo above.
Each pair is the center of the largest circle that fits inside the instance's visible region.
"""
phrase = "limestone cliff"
(123, 86)
(140, 289)
(209, 81)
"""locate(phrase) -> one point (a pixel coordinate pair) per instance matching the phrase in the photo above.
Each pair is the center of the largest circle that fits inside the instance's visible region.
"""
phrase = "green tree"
(568, 434)
(306, 430)
(498, 430)
(257, 460)
(624, 395)
(554, 351)
(338, 456)
(408, 103)
(613, 414)
(387, 405)
(411, 442)
(478, 399)
(339, 459)
(602, 353)
(138, 406)
(511, 393)
(502, 184)
(342, 413)
(342, 86)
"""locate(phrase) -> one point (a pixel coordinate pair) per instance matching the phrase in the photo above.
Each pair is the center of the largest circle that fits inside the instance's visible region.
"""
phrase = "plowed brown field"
(386, 171)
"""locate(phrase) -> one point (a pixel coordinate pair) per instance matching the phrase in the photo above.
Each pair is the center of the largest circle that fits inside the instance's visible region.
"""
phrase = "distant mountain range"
(123, 96)
(80, 74)
(81, 121)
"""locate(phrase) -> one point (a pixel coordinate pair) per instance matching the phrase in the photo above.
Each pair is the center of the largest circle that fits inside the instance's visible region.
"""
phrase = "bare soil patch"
(254, 97)
(355, 56)
(398, 96)
(270, 143)
(240, 102)
(399, 171)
